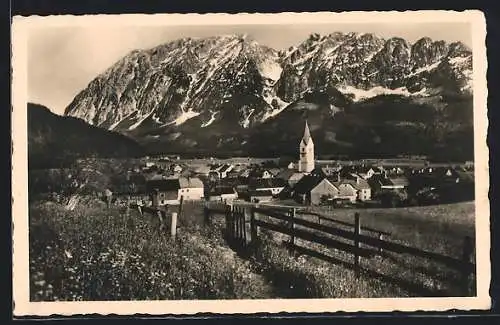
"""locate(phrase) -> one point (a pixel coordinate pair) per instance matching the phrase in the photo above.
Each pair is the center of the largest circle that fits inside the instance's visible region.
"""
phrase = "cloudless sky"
(63, 60)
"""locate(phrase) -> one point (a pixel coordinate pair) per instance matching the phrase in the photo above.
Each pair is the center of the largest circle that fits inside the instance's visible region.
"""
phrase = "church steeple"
(307, 134)
(306, 151)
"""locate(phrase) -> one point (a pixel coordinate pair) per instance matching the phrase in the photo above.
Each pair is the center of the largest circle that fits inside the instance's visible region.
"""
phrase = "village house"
(163, 191)
(290, 177)
(202, 170)
(260, 196)
(366, 172)
(391, 183)
(171, 190)
(176, 168)
(301, 192)
(259, 173)
(191, 188)
(274, 185)
(220, 171)
(325, 189)
(346, 191)
(355, 189)
(274, 171)
(223, 194)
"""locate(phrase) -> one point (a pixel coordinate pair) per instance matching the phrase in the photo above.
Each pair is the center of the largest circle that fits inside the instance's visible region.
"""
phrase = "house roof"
(163, 185)
(324, 171)
(363, 169)
(267, 183)
(224, 168)
(220, 190)
(191, 182)
(395, 181)
(275, 171)
(360, 184)
(204, 169)
(306, 184)
(296, 176)
(286, 174)
(261, 193)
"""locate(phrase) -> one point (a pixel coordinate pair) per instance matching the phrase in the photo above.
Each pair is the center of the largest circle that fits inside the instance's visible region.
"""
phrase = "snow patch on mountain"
(140, 120)
(187, 115)
(281, 106)
(360, 94)
(246, 122)
(211, 120)
(270, 69)
(427, 68)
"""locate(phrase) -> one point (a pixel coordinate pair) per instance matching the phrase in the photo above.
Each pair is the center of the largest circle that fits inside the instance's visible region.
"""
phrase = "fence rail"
(244, 221)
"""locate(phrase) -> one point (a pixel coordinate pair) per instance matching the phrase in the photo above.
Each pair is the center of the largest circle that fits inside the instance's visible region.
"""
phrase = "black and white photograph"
(243, 163)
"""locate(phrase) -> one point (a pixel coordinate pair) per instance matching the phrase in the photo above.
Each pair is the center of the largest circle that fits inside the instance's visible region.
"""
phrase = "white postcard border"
(22, 305)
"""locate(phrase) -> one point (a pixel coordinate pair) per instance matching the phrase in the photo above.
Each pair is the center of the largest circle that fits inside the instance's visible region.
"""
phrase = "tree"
(393, 198)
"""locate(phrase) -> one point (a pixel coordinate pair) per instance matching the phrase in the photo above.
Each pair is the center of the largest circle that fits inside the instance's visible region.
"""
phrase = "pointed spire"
(307, 134)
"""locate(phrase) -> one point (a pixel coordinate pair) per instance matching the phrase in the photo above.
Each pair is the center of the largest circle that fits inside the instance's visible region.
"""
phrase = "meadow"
(95, 253)
(438, 229)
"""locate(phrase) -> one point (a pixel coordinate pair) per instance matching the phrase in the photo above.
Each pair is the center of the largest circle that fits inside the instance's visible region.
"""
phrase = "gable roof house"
(322, 191)
(301, 192)
(222, 193)
(163, 191)
(361, 187)
(274, 185)
(191, 188)
(224, 169)
(366, 172)
(260, 196)
(260, 173)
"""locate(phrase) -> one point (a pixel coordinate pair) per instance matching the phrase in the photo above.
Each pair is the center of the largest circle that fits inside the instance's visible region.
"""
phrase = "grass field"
(439, 229)
(94, 253)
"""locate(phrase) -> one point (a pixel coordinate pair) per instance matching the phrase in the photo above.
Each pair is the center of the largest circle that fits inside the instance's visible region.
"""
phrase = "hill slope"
(54, 139)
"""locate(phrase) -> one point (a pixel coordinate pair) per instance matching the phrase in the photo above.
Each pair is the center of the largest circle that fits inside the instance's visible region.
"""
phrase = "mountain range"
(361, 95)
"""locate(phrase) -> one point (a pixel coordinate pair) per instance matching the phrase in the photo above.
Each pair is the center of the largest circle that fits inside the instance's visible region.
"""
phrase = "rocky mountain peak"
(230, 84)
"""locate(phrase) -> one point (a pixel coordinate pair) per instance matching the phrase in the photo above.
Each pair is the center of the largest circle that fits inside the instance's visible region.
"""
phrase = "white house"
(273, 185)
(191, 188)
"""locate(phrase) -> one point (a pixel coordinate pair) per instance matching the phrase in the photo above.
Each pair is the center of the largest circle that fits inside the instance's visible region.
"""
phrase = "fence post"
(206, 213)
(127, 209)
(245, 226)
(357, 230)
(253, 226)
(467, 251)
(160, 219)
(292, 226)
(173, 225)
(242, 226)
(380, 237)
(181, 202)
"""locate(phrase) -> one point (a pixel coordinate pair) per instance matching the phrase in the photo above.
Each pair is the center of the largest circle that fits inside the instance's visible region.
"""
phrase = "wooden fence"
(243, 222)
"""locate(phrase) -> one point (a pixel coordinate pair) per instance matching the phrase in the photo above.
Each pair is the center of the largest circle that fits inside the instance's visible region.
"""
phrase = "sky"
(63, 60)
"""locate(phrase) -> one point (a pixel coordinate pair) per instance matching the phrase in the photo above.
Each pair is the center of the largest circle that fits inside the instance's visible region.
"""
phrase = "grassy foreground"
(92, 253)
(98, 254)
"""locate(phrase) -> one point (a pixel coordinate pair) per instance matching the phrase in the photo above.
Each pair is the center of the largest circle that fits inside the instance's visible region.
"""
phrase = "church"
(306, 149)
